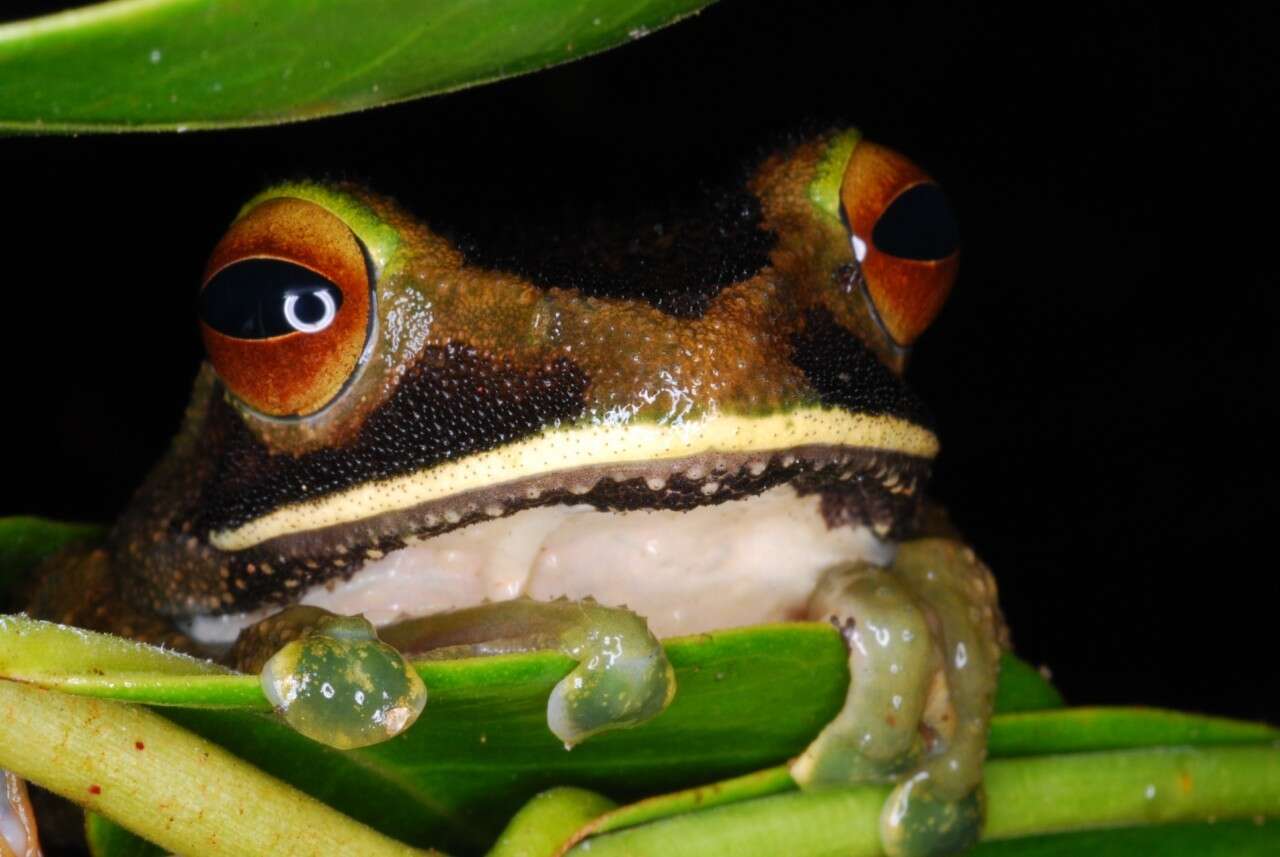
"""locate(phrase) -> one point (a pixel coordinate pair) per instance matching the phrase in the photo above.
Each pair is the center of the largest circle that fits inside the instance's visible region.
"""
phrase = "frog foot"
(18, 832)
(622, 677)
(924, 638)
(330, 678)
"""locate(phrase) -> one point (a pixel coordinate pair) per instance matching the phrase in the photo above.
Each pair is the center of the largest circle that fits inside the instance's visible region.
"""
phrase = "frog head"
(372, 389)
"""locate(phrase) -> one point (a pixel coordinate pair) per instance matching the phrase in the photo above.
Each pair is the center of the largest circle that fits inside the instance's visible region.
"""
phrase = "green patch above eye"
(380, 238)
(824, 190)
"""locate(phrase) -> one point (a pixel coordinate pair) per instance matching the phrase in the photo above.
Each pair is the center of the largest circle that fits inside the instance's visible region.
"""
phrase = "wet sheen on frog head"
(370, 383)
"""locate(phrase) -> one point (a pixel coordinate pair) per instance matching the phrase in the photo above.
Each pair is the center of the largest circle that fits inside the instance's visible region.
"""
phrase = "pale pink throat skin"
(744, 562)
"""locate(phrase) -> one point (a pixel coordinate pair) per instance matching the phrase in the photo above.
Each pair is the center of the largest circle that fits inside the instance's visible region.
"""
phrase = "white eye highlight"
(298, 324)
(859, 247)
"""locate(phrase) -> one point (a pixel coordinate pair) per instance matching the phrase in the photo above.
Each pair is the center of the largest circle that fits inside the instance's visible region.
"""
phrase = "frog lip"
(857, 486)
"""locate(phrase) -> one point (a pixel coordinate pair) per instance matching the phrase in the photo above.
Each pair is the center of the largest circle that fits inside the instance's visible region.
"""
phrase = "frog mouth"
(817, 505)
(682, 465)
(749, 561)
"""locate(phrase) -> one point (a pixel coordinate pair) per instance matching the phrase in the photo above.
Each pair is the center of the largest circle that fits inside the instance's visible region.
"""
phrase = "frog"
(405, 445)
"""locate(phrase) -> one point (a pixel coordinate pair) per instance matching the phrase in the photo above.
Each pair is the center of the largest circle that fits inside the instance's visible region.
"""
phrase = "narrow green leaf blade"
(187, 64)
(103, 665)
(1243, 838)
(547, 820)
(1088, 729)
(1027, 797)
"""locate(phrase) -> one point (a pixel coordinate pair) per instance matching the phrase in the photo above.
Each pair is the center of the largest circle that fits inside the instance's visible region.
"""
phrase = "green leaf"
(547, 820)
(748, 699)
(1087, 729)
(1244, 838)
(24, 541)
(187, 64)
(108, 839)
(1026, 797)
(93, 664)
(177, 790)
(1024, 688)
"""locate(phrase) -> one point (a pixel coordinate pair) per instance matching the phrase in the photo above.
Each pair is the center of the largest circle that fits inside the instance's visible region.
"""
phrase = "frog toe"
(622, 679)
(917, 822)
(337, 683)
(924, 637)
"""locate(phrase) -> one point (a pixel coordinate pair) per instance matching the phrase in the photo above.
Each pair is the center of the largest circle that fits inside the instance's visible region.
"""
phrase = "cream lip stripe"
(594, 445)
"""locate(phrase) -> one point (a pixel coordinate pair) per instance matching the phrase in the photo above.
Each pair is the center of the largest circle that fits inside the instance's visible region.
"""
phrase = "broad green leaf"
(187, 64)
(748, 699)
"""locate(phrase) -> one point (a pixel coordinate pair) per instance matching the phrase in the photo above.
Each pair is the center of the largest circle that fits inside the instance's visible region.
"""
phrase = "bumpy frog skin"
(732, 377)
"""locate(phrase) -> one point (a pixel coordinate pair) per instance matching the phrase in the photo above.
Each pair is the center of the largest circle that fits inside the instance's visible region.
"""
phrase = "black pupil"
(917, 225)
(261, 298)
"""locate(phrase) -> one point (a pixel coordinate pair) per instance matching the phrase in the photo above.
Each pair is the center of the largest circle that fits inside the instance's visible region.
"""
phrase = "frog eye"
(904, 236)
(285, 307)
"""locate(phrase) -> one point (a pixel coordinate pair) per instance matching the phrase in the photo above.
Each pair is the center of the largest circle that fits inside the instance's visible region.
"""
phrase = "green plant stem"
(547, 820)
(1044, 794)
(1026, 797)
(166, 784)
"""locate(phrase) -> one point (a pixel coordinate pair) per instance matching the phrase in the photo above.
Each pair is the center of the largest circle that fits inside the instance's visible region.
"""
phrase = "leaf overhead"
(175, 65)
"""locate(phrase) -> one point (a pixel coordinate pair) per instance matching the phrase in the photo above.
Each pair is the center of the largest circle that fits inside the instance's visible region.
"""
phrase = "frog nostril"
(918, 225)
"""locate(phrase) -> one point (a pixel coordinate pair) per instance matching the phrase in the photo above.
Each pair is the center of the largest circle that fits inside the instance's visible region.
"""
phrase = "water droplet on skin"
(155, 56)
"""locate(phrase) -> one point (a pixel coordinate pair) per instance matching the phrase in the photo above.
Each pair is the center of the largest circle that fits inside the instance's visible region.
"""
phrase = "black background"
(1098, 375)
